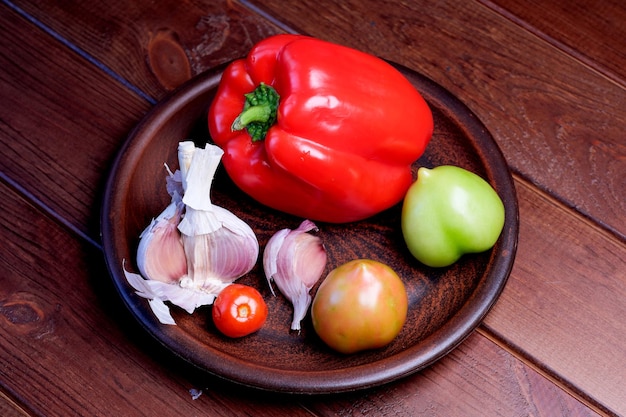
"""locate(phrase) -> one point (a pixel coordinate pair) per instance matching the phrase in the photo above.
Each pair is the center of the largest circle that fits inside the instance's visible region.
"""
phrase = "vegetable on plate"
(239, 310)
(448, 212)
(295, 260)
(319, 130)
(360, 305)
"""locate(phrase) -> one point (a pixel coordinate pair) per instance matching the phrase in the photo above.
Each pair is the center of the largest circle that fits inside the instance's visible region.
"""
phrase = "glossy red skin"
(239, 310)
(349, 127)
(360, 305)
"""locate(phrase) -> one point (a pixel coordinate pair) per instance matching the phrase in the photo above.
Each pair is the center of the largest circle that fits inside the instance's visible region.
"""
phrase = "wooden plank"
(539, 336)
(566, 290)
(13, 128)
(69, 347)
(154, 48)
(477, 379)
(578, 26)
(59, 132)
(564, 133)
(87, 114)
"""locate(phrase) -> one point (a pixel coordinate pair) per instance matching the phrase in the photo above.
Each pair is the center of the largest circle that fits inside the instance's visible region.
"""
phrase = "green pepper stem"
(259, 112)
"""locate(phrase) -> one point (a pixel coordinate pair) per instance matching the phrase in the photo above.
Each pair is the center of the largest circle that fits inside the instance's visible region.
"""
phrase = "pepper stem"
(259, 112)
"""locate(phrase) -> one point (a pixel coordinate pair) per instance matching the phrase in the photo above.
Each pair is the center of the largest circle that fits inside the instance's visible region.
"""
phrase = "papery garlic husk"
(158, 292)
(193, 249)
(295, 261)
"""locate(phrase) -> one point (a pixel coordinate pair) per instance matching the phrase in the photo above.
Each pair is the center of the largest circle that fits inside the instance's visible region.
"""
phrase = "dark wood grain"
(513, 391)
(59, 132)
(8, 407)
(75, 77)
(562, 132)
(594, 32)
(155, 49)
(70, 318)
(569, 290)
(88, 111)
(58, 318)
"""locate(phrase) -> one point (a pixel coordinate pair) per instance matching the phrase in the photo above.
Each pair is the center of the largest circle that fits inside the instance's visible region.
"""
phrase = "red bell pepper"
(319, 130)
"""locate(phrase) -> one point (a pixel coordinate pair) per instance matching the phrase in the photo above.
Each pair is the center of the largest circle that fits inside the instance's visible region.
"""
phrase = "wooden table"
(548, 78)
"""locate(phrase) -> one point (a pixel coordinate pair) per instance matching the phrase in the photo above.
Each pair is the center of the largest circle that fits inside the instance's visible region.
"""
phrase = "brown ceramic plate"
(445, 305)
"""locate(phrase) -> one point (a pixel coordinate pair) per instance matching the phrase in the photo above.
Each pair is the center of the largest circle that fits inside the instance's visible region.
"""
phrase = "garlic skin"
(295, 261)
(158, 292)
(193, 249)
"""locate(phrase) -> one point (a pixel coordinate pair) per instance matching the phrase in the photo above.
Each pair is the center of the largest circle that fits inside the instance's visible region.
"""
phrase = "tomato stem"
(259, 112)
(243, 311)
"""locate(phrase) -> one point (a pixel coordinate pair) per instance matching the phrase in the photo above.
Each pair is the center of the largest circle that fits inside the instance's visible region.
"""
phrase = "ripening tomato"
(239, 310)
(360, 305)
(450, 211)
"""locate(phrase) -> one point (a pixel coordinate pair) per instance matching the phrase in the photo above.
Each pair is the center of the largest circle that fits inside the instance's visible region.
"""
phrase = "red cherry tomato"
(239, 310)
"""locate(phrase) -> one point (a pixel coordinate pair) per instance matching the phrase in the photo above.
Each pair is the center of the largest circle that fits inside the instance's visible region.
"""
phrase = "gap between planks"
(581, 397)
(556, 44)
(9, 408)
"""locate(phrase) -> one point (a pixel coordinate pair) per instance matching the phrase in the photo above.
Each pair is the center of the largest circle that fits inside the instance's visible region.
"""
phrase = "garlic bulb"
(295, 260)
(193, 249)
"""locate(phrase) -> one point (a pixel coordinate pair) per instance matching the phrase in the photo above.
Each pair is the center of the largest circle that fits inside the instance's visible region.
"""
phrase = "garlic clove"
(217, 259)
(295, 261)
(270, 256)
(226, 254)
(160, 254)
